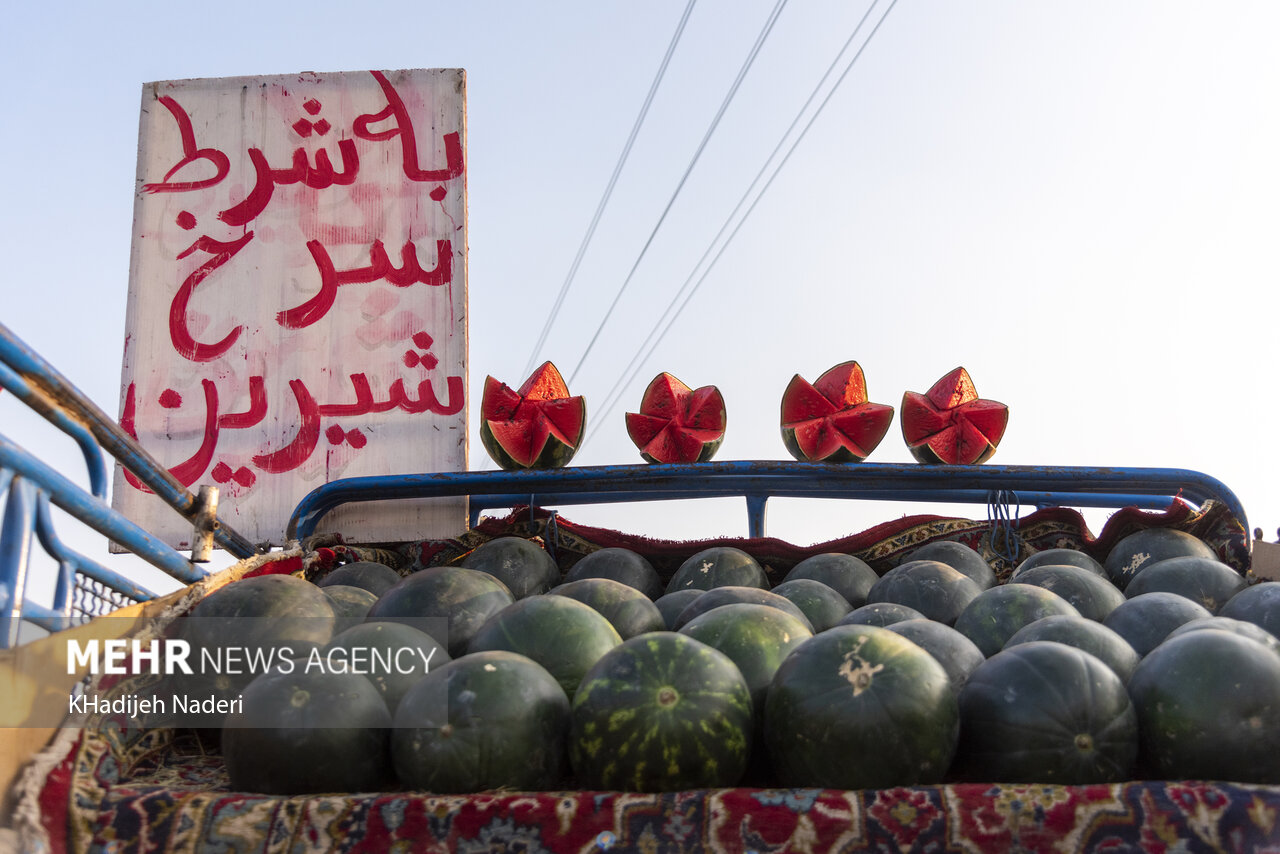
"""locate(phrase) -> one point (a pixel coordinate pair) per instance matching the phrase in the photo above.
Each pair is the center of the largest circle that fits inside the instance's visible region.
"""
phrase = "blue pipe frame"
(758, 480)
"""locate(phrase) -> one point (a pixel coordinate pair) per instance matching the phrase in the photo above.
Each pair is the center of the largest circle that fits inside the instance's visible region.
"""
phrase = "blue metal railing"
(83, 588)
(757, 481)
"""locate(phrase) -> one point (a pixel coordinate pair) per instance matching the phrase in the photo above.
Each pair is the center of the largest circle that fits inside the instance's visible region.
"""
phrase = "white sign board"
(298, 296)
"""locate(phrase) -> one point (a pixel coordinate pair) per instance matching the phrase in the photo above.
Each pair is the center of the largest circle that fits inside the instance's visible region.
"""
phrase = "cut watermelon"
(540, 426)
(950, 424)
(831, 420)
(676, 424)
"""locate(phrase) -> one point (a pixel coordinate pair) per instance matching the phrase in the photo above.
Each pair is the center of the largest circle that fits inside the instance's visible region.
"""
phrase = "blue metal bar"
(1086, 486)
(15, 556)
(93, 459)
(80, 564)
(46, 391)
(96, 514)
(479, 503)
(48, 619)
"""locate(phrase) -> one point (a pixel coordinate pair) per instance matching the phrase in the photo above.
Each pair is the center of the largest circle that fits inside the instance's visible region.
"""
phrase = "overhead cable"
(629, 374)
(742, 73)
(608, 191)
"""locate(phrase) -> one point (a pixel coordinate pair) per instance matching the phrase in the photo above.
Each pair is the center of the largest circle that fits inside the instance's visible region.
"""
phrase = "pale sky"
(1077, 201)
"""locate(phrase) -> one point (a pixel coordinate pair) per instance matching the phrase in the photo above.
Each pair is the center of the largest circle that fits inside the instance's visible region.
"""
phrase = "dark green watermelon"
(671, 605)
(240, 630)
(992, 618)
(732, 594)
(849, 576)
(1137, 550)
(629, 611)
(1086, 634)
(860, 707)
(661, 712)
(935, 589)
(958, 556)
(306, 732)
(956, 653)
(617, 564)
(880, 614)
(1206, 581)
(377, 578)
(522, 565)
(1227, 624)
(1060, 557)
(1045, 712)
(266, 611)
(393, 656)
(757, 637)
(1207, 705)
(1146, 620)
(1093, 595)
(719, 566)
(565, 636)
(350, 605)
(1258, 604)
(821, 604)
(489, 720)
(447, 602)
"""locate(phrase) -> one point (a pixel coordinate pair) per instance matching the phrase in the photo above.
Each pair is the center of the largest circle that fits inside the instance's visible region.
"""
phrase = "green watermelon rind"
(661, 712)
(861, 707)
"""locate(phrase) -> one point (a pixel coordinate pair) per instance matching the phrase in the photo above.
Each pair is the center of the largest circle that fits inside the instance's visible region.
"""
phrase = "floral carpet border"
(141, 794)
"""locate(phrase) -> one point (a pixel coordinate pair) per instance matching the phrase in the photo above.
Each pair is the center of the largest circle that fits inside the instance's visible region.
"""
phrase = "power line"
(608, 191)
(637, 361)
(742, 73)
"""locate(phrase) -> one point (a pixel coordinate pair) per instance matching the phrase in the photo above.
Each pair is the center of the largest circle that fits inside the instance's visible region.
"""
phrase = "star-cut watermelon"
(950, 424)
(676, 424)
(831, 420)
(538, 427)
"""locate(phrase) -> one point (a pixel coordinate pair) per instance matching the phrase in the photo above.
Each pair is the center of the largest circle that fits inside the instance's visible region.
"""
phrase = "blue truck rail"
(84, 588)
(757, 481)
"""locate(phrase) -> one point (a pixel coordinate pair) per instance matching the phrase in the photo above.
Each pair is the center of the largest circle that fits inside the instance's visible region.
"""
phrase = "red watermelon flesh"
(677, 424)
(831, 419)
(950, 424)
(539, 426)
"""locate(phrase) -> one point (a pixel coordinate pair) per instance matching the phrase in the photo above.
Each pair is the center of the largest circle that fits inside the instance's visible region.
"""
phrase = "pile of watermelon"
(1160, 662)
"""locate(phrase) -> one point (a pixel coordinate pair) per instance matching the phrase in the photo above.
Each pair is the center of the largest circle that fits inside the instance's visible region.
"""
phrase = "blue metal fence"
(30, 488)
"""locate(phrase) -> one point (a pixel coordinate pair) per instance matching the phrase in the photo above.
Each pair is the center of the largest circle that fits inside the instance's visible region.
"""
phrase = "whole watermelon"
(935, 589)
(308, 731)
(718, 566)
(661, 712)
(956, 653)
(450, 603)
(522, 565)
(757, 637)
(563, 635)
(993, 617)
(820, 602)
(1082, 633)
(1045, 712)
(1140, 549)
(488, 720)
(625, 607)
(860, 707)
(1207, 704)
(849, 576)
(393, 656)
(618, 564)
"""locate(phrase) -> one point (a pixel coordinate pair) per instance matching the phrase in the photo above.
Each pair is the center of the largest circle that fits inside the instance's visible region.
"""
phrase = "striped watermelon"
(661, 712)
